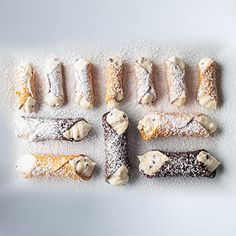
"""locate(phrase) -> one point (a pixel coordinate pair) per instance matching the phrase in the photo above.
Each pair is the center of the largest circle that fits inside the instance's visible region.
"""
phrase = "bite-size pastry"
(145, 88)
(175, 75)
(207, 95)
(64, 166)
(42, 129)
(115, 124)
(198, 163)
(114, 83)
(168, 124)
(26, 101)
(54, 96)
(84, 94)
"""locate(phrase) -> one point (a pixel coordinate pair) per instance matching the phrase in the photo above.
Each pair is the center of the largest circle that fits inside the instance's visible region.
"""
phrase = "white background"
(159, 207)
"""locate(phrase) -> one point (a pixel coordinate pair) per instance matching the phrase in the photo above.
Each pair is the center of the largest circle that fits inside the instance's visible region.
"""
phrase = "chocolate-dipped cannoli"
(175, 75)
(145, 87)
(84, 95)
(173, 164)
(64, 166)
(168, 124)
(114, 83)
(42, 129)
(25, 89)
(207, 91)
(54, 84)
(115, 124)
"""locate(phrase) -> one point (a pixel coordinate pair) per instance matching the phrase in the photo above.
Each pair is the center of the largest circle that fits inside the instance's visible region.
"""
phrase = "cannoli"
(25, 89)
(168, 124)
(42, 129)
(64, 166)
(207, 91)
(114, 83)
(145, 87)
(173, 164)
(115, 124)
(54, 84)
(84, 95)
(175, 75)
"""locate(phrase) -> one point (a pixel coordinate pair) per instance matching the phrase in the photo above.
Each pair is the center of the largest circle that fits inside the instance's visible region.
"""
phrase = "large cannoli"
(54, 84)
(168, 124)
(145, 88)
(25, 89)
(84, 95)
(115, 124)
(64, 166)
(207, 91)
(42, 129)
(175, 75)
(114, 83)
(161, 164)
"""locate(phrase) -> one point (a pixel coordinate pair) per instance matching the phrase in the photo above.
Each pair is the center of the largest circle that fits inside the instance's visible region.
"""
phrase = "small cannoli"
(84, 95)
(175, 75)
(115, 124)
(54, 84)
(207, 91)
(173, 164)
(42, 129)
(114, 83)
(145, 87)
(25, 89)
(168, 124)
(64, 166)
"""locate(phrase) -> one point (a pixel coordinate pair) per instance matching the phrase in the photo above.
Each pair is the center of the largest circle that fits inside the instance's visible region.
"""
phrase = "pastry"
(145, 88)
(173, 164)
(64, 166)
(114, 83)
(84, 95)
(42, 129)
(115, 124)
(168, 124)
(54, 84)
(26, 101)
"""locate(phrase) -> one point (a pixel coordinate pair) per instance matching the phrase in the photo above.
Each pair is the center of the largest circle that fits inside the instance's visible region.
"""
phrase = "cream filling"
(83, 165)
(116, 62)
(209, 161)
(78, 131)
(52, 100)
(29, 105)
(118, 120)
(51, 64)
(115, 102)
(81, 64)
(208, 124)
(146, 63)
(26, 164)
(204, 63)
(120, 177)
(179, 61)
(79, 99)
(206, 101)
(151, 162)
(180, 100)
(149, 123)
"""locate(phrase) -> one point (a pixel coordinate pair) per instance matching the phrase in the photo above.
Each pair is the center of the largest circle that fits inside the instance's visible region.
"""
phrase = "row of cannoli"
(146, 92)
(117, 167)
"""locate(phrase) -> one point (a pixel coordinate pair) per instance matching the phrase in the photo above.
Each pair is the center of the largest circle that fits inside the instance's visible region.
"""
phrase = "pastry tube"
(42, 129)
(173, 164)
(64, 166)
(207, 91)
(145, 87)
(175, 75)
(26, 101)
(115, 124)
(84, 95)
(54, 84)
(114, 83)
(168, 124)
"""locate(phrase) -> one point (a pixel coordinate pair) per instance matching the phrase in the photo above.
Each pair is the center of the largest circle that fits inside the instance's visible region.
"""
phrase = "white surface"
(188, 29)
